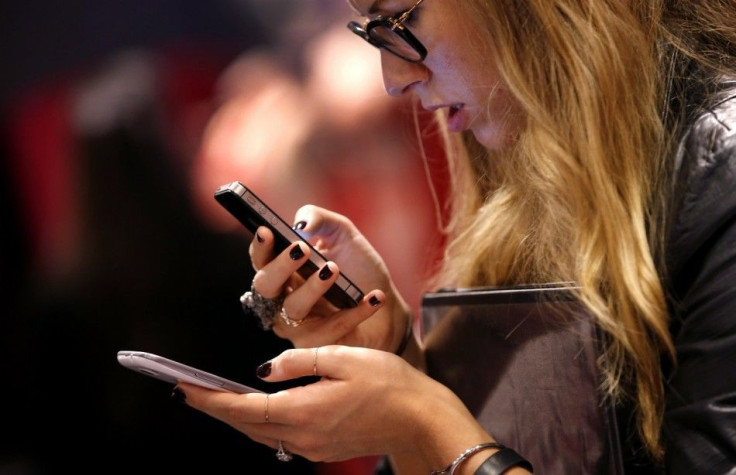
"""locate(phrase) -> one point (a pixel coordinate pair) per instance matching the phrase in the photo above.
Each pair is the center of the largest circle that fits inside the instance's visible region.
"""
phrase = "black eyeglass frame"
(396, 25)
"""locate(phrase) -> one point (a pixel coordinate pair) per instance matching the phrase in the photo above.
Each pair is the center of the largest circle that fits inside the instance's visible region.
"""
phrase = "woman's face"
(454, 76)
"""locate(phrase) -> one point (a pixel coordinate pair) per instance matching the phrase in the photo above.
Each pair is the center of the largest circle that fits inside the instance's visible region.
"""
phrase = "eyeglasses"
(391, 34)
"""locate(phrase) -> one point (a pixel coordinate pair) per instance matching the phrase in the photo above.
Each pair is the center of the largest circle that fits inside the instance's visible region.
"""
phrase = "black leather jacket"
(700, 417)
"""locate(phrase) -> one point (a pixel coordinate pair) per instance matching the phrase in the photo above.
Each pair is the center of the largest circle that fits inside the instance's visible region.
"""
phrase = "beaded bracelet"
(450, 469)
(501, 461)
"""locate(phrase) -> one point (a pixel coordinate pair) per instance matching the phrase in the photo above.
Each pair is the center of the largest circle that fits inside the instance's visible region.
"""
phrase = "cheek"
(453, 71)
(502, 123)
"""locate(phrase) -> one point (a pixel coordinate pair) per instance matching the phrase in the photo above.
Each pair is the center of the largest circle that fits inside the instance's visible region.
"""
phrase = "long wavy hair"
(582, 194)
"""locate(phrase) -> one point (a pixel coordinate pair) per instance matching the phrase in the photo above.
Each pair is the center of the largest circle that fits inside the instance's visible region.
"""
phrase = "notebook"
(523, 360)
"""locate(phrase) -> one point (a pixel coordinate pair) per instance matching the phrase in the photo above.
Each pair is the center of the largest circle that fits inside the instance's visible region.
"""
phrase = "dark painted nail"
(259, 238)
(300, 225)
(325, 273)
(296, 253)
(374, 301)
(178, 395)
(264, 370)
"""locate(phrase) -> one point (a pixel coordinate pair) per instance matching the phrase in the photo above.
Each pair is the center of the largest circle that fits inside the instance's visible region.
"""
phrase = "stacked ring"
(289, 321)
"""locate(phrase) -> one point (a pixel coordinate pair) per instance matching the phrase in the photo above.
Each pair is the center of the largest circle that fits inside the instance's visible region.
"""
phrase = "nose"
(400, 75)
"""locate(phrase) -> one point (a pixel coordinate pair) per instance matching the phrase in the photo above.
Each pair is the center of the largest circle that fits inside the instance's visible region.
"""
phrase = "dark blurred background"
(119, 119)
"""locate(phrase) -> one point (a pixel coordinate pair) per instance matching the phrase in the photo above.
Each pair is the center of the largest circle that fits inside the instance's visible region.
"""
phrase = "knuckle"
(288, 358)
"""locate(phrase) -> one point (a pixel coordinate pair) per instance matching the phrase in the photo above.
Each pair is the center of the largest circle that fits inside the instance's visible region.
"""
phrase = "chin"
(496, 139)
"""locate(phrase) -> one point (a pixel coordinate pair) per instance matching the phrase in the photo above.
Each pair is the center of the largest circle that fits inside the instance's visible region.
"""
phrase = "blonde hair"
(581, 195)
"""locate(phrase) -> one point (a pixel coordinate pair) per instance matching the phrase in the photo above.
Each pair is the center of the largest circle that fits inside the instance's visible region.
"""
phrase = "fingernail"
(296, 253)
(259, 238)
(325, 273)
(178, 395)
(374, 301)
(300, 225)
(264, 370)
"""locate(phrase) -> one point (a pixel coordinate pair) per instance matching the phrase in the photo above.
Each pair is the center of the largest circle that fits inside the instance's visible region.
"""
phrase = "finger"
(261, 247)
(228, 407)
(346, 323)
(328, 329)
(319, 221)
(303, 299)
(328, 361)
(251, 413)
(292, 364)
(269, 280)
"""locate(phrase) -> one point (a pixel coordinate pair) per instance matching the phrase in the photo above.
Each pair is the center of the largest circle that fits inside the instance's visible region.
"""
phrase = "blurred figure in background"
(132, 267)
(112, 238)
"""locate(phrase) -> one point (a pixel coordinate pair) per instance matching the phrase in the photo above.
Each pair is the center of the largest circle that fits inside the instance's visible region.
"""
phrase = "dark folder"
(523, 359)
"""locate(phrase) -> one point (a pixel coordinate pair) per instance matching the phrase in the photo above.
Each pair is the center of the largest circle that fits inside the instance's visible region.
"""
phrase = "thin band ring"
(290, 322)
(268, 419)
(314, 364)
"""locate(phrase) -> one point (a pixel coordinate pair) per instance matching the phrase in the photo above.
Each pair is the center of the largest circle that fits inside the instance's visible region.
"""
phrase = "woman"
(592, 142)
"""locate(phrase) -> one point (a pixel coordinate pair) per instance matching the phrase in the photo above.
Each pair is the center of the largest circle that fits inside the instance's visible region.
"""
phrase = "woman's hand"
(380, 319)
(367, 402)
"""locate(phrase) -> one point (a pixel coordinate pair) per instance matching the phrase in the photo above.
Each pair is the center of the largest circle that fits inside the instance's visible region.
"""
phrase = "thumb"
(294, 363)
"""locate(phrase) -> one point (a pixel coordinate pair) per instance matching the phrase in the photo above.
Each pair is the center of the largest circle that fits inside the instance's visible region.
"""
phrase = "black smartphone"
(252, 212)
(173, 372)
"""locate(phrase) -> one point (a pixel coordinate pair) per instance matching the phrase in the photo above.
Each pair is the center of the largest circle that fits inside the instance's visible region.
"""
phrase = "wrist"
(454, 467)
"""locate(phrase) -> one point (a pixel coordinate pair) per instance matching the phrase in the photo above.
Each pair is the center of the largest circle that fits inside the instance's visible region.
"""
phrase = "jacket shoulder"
(705, 190)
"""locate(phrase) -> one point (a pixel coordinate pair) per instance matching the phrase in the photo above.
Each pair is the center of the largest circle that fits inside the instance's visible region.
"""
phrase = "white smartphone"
(252, 212)
(174, 372)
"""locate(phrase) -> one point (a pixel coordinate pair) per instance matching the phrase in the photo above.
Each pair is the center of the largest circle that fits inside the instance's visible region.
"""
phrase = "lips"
(456, 118)
(454, 109)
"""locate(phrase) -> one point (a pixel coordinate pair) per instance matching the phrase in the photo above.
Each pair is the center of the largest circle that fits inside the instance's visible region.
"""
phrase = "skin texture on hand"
(377, 402)
(378, 322)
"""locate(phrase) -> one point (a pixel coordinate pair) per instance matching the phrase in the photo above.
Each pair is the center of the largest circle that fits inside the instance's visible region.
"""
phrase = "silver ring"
(289, 321)
(282, 454)
(263, 308)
